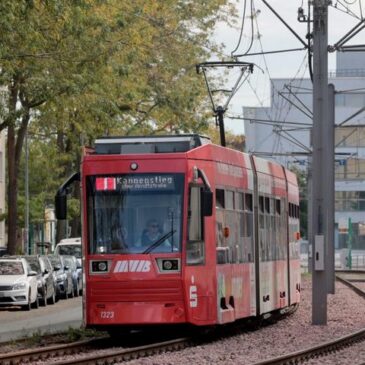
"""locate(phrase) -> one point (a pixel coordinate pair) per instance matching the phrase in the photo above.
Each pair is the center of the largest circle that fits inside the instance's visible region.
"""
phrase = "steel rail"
(324, 348)
(119, 355)
(124, 354)
(42, 353)
(316, 351)
(351, 285)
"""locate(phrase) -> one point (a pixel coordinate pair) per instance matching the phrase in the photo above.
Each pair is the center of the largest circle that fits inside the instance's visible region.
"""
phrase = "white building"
(289, 143)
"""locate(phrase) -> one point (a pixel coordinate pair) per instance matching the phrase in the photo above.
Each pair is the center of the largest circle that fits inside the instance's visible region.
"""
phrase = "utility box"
(319, 253)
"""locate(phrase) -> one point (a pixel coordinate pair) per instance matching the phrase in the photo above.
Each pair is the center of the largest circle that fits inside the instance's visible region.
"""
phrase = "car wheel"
(36, 303)
(52, 299)
(27, 307)
(71, 295)
(44, 299)
(66, 295)
(76, 291)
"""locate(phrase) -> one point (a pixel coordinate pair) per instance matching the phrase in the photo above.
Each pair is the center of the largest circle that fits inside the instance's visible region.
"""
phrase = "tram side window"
(230, 219)
(274, 228)
(249, 228)
(261, 204)
(262, 235)
(219, 198)
(241, 234)
(278, 233)
(195, 254)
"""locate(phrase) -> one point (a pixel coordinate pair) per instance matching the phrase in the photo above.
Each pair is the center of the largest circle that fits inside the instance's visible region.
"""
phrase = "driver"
(151, 233)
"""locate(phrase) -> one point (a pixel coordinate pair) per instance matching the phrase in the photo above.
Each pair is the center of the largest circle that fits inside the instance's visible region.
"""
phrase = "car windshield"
(55, 261)
(34, 264)
(71, 250)
(11, 268)
(130, 213)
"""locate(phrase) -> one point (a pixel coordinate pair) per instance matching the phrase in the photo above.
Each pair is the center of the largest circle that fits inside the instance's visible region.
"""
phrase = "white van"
(70, 247)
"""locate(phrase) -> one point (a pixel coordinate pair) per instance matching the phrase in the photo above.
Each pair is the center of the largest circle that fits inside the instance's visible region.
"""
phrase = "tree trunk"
(12, 192)
(14, 150)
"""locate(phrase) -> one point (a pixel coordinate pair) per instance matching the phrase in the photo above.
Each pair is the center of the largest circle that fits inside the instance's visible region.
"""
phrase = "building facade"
(287, 138)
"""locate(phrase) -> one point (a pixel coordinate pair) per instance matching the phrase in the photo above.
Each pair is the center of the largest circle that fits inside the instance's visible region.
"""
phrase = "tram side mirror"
(61, 206)
(207, 203)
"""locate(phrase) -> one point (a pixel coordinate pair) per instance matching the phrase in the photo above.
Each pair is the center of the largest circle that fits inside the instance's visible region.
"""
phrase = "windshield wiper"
(159, 241)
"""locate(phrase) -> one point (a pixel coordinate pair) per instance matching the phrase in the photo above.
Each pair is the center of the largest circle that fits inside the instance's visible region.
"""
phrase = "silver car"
(64, 286)
(76, 272)
(18, 283)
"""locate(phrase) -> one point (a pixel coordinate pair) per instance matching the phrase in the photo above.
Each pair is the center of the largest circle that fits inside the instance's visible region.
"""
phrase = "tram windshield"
(135, 213)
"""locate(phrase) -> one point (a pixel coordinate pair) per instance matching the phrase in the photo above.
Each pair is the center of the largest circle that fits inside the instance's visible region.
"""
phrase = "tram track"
(360, 276)
(328, 347)
(100, 351)
(43, 353)
(81, 349)
(317, 351)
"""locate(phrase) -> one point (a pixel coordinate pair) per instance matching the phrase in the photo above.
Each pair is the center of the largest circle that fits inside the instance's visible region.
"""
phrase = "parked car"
(76, 273)
(18, 283)
(64, 287)
(47, 287)
(70, 247)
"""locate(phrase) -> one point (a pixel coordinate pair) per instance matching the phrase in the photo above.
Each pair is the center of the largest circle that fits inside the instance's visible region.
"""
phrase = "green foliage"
(78, 334)
(81, 69)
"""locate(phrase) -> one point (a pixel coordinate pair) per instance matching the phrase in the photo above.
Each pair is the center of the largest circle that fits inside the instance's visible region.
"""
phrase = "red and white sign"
(105, 183)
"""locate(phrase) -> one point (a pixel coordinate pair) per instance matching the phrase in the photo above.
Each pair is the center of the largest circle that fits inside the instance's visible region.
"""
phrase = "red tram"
(223, 231)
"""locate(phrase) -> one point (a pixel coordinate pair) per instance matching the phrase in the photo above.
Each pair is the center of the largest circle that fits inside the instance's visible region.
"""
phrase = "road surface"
(16, 323)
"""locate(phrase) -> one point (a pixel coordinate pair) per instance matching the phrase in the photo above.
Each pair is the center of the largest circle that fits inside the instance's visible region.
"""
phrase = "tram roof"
(149, 144)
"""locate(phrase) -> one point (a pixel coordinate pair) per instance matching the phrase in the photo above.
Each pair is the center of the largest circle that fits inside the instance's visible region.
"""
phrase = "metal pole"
(220, 112)
(349, 243)
(329, 197)
(319, 180)
(309, 210)
(27, 246)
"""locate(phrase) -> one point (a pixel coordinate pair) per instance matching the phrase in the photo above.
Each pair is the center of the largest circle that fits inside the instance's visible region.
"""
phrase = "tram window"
(297, 211)
(249, 224)
(267, 205)
(290, 210)
(273, 240)
(248, 202)
(261, 204)
(278, 207)
(239, 203)
(229, 200)
(219, 198)
(195, 250)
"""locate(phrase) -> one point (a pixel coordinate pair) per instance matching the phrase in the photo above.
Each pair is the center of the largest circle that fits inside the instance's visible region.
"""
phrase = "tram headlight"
(170, 265)
(99, 266)
(167, 265)
(102, 266)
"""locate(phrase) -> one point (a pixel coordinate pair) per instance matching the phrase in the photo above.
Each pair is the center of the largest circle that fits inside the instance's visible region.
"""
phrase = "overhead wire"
(345, 9)
(242, 26)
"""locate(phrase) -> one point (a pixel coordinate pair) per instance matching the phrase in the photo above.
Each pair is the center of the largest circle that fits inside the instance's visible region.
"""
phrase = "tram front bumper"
(141, 313)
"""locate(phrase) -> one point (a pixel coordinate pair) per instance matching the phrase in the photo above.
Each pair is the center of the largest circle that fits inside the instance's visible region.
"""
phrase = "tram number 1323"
(107, 314)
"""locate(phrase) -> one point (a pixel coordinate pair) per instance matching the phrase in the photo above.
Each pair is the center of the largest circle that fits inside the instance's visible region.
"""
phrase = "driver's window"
(195, 253)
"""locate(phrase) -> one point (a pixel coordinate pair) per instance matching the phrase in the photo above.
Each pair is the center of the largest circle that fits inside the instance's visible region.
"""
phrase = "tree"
(43, 48)
(77, 69)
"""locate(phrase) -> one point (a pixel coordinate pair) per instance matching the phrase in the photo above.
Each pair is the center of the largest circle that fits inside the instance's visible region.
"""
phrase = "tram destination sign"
(136, 182)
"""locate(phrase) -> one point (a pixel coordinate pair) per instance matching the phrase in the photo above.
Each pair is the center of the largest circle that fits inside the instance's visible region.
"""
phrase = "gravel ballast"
(346, 314)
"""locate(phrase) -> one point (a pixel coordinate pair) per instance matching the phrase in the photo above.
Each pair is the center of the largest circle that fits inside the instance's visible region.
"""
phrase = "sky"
(273, 35)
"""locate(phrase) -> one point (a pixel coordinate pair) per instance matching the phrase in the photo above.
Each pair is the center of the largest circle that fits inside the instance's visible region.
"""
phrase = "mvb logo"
(133, 266)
